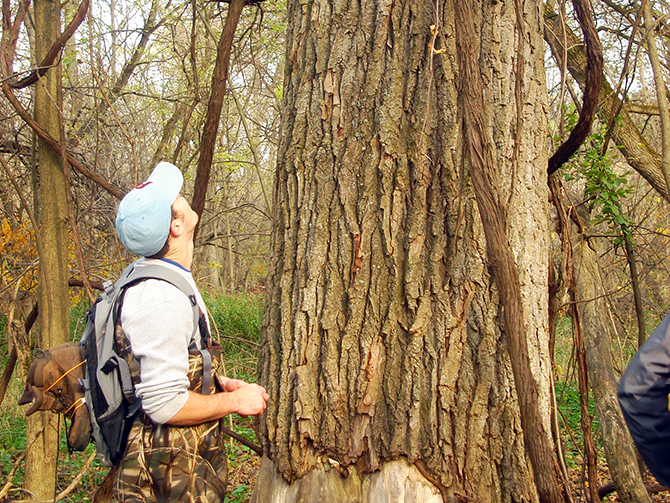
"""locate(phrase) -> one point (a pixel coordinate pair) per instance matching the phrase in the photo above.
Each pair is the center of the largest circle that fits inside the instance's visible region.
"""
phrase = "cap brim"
(168, 176)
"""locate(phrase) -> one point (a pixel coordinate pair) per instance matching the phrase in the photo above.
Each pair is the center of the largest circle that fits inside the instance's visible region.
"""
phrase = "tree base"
(395, 481)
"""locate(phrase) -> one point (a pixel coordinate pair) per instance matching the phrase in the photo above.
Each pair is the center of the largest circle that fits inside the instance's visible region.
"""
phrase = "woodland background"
(136, 83)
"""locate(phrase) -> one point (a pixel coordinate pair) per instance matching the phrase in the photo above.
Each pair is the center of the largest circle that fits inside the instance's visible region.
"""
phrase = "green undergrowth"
(569, 418)
(70, 464)
(242, 463)
(236, 324)
(238, 320)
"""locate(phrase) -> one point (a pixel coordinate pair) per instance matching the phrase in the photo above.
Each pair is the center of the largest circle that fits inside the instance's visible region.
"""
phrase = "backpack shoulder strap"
(139, 272)
(136, 273)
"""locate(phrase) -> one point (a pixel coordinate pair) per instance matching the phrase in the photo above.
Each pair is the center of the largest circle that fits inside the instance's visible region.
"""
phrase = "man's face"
(185, 213)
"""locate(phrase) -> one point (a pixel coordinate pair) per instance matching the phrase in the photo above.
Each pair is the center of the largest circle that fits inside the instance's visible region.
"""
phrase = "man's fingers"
(230, 385)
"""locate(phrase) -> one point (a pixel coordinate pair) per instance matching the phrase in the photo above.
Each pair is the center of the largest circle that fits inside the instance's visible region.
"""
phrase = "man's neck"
(182, 255)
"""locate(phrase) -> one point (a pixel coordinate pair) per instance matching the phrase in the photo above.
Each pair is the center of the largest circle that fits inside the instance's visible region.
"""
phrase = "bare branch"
(92, 175)
(55, 49)
(77, 479)
(10, 32)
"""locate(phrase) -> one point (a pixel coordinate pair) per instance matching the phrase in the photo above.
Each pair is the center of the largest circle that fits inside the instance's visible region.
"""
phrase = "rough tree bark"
(479, 151)
(52, 214)
(55, 49)
(384, 347)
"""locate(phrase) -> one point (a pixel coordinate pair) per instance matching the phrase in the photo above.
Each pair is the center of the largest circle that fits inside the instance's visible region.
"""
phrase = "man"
(175, 450)
(643, 395)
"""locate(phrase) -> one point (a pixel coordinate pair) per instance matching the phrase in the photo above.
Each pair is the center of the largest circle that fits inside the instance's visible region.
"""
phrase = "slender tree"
(217, 92)
(661, 91)
(52, 214)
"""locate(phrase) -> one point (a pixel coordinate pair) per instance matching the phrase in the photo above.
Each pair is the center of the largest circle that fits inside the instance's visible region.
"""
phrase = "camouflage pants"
(172, 464)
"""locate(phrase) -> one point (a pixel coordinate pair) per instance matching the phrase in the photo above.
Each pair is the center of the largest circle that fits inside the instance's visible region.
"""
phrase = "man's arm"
(643, 396)
(246, 400)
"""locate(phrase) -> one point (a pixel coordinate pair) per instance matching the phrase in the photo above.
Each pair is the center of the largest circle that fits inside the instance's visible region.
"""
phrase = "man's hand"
(239, 396)
(251, 399)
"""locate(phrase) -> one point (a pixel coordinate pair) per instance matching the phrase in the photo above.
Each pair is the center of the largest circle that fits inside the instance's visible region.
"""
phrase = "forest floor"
(243, 473)
(604, 478)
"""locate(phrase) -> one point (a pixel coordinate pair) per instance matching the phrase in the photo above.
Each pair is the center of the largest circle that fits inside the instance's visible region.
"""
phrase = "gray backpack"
(111, 369)
(92, 382)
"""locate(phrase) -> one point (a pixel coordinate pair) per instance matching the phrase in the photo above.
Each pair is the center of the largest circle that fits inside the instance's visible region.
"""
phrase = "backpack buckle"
(108, 286)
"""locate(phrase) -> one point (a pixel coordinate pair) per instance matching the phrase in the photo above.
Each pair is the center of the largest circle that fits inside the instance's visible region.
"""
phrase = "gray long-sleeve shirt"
(157, 318)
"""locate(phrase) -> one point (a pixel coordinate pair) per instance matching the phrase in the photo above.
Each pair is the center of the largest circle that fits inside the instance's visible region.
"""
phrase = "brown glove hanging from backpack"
(54, 383)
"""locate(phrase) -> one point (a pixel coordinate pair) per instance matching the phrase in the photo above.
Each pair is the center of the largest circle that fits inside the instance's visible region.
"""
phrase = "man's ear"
(176, 227)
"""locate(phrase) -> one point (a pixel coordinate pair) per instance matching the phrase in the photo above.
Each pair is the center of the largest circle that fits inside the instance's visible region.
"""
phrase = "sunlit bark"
(384, 350)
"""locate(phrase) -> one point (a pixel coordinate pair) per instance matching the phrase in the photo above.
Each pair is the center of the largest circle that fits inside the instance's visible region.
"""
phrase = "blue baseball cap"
(145, 214)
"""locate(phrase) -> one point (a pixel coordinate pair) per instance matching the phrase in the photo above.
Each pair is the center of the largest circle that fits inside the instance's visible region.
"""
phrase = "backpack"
(100, 371)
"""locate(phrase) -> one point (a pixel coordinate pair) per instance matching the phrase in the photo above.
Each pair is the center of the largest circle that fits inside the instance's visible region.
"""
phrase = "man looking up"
(175, 449)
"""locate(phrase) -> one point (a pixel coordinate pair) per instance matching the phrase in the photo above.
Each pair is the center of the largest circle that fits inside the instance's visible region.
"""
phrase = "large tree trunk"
(40, 473)
(384, 352)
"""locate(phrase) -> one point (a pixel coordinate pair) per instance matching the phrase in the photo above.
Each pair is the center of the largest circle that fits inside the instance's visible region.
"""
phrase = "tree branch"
(594, 75)
(661, 96)
(254, 447)
(77, 479)
(150, 26)
(90, 174)
(218, 91)
(55, 49)
(10, 32)
(635, 148)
